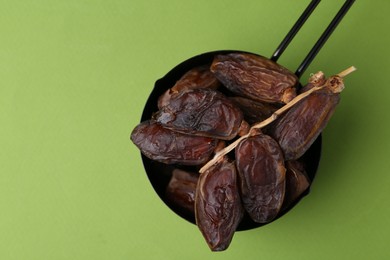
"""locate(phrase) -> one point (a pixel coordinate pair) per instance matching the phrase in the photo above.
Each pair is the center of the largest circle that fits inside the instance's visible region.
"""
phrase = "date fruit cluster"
(211, 106)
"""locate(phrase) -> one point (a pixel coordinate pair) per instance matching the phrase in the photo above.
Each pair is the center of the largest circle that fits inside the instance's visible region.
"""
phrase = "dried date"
(296, 130)
(181, 189)
(254, 111)
(255, 77)
(166, 146)
(218, 209)
(297, 182)
(260, 165)
(198, 77)
(201, 112)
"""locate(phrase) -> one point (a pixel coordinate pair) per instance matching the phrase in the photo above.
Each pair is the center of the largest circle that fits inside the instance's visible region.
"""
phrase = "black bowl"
(159, 174)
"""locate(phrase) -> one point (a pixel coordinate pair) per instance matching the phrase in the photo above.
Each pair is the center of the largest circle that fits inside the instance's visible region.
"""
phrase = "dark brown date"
(202, 112)
(218, 209)
(166, 146)
(297, 182)
(261, 171)
(254, 111)
(199, 77)
(181, 189)
(296, 130)
(255, 77)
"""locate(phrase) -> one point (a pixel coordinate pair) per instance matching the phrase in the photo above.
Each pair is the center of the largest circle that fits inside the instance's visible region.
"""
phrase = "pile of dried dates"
(234, 132)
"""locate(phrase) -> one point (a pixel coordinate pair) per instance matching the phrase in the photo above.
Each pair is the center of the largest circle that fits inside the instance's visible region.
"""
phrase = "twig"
(273, 117)
(346, 72)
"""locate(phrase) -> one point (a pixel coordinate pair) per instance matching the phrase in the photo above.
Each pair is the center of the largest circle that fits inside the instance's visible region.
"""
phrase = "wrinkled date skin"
(297, 182)
(260, 165)
(255, 77)
(181, 190)
(218, 209)
(254, 111)
(199, 77)
(296, 130)
(201, 112)
(166, 146)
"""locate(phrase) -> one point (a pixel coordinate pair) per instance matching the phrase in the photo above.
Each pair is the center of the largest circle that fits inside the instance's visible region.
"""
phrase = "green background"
(74, 76)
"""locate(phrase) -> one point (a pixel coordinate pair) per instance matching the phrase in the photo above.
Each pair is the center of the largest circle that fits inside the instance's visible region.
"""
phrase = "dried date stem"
(346, 72)
(334, 83)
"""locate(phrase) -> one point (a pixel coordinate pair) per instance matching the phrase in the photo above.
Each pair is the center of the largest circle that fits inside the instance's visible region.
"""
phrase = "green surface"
(74, 76)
